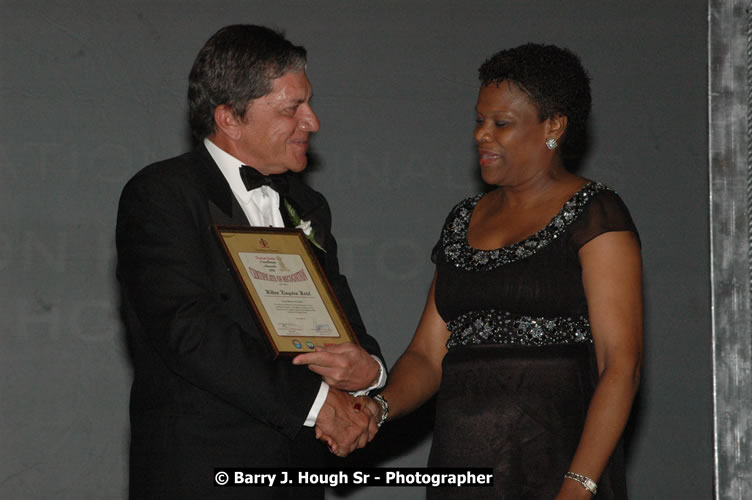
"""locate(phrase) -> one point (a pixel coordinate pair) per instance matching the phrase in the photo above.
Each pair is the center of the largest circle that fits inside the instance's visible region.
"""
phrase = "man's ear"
(228, 124)
(557, 124)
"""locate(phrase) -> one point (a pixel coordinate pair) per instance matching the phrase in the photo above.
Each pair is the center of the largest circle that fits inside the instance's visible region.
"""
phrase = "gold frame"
(290, 242)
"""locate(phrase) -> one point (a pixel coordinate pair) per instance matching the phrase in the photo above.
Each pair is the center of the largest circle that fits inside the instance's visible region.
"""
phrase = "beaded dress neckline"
(461, 254)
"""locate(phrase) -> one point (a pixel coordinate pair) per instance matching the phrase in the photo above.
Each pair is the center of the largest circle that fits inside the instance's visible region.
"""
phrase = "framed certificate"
(293, 301)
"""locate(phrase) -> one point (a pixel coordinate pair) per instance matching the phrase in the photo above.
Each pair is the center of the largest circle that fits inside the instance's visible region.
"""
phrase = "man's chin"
(281, 169)
(298, 167)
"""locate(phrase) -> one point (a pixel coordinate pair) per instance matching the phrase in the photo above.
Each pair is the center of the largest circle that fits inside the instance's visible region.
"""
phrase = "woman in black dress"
(532, 330)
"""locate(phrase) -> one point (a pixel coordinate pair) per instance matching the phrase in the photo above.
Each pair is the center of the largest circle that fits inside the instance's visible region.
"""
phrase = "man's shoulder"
(184, 171)
(185, 165)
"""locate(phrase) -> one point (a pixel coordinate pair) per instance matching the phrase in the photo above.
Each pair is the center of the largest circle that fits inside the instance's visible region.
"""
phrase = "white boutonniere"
(304, 225)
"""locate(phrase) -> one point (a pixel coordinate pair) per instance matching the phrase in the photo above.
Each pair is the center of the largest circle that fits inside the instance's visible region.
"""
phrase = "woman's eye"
(501, 124)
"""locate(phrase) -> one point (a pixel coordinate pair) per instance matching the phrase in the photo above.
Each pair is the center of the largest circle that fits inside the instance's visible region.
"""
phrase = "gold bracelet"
(585, 481)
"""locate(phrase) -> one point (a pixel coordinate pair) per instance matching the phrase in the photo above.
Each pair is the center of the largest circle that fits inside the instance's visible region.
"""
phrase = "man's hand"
(344, 366)
(343, 423)
(373, 410)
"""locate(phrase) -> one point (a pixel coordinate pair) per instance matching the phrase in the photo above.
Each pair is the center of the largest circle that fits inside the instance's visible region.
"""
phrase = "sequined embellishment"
(462, 255)
(501, 327)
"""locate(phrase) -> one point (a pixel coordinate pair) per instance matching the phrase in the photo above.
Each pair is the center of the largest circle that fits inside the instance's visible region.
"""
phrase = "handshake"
(345, 422)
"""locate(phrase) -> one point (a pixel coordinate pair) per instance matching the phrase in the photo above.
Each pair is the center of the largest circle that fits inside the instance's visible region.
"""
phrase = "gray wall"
(91, 91)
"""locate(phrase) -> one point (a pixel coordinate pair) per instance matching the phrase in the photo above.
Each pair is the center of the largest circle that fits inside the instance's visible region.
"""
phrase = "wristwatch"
(384, 408)
(585, 481)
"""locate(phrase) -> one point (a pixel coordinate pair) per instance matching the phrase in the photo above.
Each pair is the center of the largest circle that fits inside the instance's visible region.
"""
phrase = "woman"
(532, 331)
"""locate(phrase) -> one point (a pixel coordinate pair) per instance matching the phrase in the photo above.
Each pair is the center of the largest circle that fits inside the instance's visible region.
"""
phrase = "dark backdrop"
(91, 91)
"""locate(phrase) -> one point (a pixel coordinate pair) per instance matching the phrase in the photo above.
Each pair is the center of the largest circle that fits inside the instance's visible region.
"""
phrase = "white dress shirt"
(261, 208)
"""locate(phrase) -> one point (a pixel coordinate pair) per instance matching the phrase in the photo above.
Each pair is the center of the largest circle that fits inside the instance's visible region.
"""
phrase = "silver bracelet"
(384, 408)
(585, 481)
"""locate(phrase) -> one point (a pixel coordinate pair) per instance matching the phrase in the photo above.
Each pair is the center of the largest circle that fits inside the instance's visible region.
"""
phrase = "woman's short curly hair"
(554, 80)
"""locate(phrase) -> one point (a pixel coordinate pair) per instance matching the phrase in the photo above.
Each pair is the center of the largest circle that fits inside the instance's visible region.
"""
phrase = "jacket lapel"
(309, 206)
(223, 207)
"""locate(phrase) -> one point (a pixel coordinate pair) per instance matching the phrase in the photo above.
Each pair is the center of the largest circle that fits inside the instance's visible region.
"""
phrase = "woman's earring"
(551, 144)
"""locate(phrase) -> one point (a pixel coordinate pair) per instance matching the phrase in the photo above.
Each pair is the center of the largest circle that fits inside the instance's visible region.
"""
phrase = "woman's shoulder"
(601, 197)
(455, 226)
(468, 202)
(461, 211)
(600, 209)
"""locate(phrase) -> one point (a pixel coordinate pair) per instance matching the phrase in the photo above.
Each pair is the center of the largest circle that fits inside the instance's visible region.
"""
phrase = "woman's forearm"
(606, 419)
(412, 381)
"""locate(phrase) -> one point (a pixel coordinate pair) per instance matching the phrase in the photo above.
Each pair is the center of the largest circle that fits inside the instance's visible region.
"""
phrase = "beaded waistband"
(500, 327)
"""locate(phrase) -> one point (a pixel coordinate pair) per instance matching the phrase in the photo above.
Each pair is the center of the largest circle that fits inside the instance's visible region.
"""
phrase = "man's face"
(275, 130)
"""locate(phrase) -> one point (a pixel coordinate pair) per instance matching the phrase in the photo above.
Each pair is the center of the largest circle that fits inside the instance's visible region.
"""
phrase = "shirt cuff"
(381, 382)
(318, 403)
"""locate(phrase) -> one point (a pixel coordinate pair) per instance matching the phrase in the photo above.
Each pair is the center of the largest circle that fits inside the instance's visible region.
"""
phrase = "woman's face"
(511, 140)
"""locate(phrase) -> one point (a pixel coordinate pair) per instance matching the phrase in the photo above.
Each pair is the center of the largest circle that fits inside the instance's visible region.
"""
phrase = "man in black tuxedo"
(206, 393)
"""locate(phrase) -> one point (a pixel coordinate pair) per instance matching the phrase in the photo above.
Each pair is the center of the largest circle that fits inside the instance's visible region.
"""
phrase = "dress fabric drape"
(520, 371)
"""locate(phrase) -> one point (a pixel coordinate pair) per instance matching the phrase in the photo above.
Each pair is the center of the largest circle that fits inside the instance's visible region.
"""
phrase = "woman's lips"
(486, 157)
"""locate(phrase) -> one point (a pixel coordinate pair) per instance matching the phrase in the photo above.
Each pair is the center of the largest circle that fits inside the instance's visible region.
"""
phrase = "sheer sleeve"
(606, 212)
(435, 252)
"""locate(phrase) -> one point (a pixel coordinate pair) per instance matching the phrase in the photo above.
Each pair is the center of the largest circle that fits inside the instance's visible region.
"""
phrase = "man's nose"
(309, 121)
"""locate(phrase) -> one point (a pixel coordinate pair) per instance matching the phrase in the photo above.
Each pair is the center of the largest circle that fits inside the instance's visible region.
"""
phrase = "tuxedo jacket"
(206, 392)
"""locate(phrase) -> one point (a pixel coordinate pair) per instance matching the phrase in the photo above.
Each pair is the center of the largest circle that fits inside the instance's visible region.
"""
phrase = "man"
(206, 393)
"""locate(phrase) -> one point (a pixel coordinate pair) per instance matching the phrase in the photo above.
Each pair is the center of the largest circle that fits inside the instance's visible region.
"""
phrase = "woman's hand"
(369, 406)
(572, 490)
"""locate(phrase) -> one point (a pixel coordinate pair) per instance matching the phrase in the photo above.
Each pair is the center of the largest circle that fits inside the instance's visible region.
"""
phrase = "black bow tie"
(253, 179)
